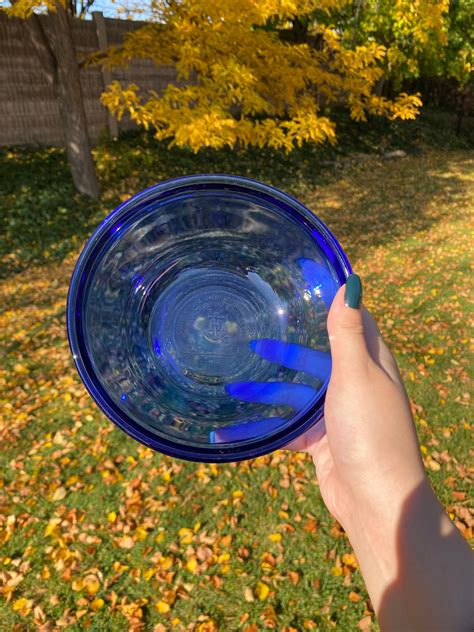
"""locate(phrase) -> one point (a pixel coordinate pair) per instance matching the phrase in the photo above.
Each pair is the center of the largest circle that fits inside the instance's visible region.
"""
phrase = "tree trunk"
(61, 71)
(71, 104)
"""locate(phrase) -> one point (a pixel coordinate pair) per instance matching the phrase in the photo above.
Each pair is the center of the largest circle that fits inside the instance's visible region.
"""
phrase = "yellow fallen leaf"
(160, 537)
(262, 591)
(112, 516)
(59, 494)
(275, 537)
(52, 529)
(237, 494)
(185, 535)
(433, 465)
(45, 572)
(148, 574)
(336, 571)
(349, 559)
(141, 534)
(21, 368)
(23, 605)
(192, 565)
(91, 584)
(97, 604)
(162, 607)
(120, 568)
(166, 562)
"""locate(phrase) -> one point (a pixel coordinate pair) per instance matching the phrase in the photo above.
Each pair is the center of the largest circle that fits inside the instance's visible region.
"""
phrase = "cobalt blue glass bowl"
(197, 317)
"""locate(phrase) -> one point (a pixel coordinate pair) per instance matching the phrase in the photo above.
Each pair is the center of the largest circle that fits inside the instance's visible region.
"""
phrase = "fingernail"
(353, 293)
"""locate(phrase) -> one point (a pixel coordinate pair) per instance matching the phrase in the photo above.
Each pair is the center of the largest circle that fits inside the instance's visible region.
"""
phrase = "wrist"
(379, 524)
(417, 567)
(378, 505)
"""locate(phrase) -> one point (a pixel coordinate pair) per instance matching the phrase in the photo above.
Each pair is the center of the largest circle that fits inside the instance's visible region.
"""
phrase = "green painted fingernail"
(353, 293)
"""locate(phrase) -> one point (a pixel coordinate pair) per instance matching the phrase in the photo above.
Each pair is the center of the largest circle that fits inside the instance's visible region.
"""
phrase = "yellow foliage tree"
(248, 82)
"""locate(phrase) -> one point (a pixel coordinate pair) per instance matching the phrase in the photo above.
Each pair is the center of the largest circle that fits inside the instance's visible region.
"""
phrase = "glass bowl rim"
(93, 249)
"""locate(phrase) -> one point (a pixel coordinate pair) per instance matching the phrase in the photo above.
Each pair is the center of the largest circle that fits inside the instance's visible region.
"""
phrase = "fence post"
(101, 31)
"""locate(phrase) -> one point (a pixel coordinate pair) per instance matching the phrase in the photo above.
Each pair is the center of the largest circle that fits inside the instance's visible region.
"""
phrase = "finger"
(248, 430)
(293, 356)
(309, 439)
(346, 329)
(378, 350)
(319, 280)
(298, 396)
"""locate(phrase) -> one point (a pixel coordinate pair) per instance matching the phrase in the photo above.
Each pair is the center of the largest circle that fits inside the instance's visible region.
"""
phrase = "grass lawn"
(99, 533)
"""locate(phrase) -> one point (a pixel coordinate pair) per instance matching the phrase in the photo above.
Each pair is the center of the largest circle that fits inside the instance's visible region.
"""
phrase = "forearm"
(418, 569)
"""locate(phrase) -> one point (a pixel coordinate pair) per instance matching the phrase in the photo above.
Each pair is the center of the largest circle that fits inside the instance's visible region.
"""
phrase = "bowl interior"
(202, 314)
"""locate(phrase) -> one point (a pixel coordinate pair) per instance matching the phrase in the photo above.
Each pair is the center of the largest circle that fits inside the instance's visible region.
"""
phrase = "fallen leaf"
(354, 597)
(248, 595)
(191, 565)
(275, 537)
(97, 604)
(262, 591)
(59, 494)
(365, 623)
(162, 607)
(125, 542)
(310, 525)
(23, 606)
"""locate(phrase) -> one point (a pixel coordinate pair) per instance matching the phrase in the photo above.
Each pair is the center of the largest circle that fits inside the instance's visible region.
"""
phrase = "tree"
(423, 38)
(429, 47)
(57, 54)
(260, 72)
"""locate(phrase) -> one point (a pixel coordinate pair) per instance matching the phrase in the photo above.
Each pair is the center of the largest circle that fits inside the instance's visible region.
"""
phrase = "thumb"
(346, 328)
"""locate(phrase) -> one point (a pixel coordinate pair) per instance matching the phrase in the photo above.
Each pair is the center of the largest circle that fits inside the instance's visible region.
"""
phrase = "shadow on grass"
(376, 202)
(43, 218)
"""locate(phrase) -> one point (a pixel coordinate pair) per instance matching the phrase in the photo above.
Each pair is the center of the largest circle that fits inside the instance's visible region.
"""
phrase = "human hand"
(366, 444)
(417, 567)
(366, 450)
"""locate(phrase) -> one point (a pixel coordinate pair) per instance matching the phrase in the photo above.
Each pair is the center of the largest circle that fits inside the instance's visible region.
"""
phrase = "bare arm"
(418, 568)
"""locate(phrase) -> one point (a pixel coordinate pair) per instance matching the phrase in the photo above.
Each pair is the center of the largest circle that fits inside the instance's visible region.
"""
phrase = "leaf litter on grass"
(98, 532)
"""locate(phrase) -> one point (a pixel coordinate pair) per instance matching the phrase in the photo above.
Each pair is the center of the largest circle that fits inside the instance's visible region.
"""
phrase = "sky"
(122, 9)
(125, 9)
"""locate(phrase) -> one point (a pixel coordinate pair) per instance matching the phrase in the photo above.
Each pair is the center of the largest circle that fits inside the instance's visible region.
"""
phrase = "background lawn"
(98, 532)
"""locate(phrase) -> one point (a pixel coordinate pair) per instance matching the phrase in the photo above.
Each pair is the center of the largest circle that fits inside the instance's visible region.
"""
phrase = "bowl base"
(202, 323)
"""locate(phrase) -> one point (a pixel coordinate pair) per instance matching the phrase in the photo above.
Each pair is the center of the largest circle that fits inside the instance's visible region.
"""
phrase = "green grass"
(406, 227)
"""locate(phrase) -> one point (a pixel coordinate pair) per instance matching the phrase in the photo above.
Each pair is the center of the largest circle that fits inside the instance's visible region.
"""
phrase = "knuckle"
(353, 326)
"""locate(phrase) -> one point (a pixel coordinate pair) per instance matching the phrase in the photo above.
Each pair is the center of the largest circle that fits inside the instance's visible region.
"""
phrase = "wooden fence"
(29, 112)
